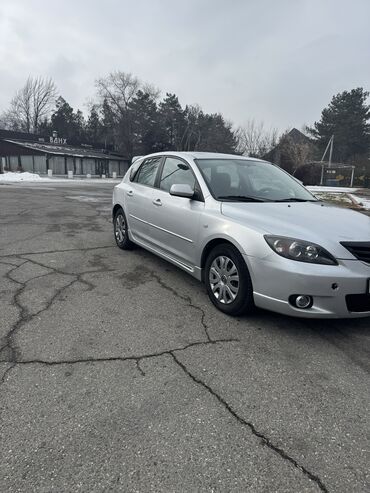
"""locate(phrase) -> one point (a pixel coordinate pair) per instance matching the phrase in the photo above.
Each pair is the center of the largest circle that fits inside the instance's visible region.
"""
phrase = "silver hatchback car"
(249, 230)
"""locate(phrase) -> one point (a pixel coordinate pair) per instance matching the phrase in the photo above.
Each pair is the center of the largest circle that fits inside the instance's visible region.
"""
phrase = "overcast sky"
(275, 61)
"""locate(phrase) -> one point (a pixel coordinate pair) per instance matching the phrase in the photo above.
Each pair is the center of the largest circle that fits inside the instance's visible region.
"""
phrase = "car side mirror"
(182, 191)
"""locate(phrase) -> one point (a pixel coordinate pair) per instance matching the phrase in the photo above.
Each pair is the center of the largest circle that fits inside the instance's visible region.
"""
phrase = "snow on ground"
(343, 196)
(16, 177)
(361, 201)
(331, 189)
(11, 177)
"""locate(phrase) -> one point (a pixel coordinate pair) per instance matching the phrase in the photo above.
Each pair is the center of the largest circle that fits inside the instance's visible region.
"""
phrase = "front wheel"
(228, 282)
(121, 231)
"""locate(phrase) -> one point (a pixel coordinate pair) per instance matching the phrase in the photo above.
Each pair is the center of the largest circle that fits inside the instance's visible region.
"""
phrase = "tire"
(120, 231)
(228, 282)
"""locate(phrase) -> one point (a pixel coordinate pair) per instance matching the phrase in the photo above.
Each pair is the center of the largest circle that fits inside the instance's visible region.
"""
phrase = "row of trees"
(130, 117)
(127, 116)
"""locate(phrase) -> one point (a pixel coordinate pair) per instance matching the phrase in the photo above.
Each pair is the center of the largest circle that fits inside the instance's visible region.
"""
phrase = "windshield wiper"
(294, 199)
(240, 198)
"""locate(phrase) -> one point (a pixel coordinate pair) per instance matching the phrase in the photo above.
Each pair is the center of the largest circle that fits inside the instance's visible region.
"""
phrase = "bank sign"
(57, 140)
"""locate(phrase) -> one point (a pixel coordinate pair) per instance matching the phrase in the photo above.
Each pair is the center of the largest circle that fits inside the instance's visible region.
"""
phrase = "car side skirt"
(190, 269)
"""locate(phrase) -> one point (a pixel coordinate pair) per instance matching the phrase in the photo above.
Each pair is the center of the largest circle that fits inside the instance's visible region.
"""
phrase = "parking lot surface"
(118, 374)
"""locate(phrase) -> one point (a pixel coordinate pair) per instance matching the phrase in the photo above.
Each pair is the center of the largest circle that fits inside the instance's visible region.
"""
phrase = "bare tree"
(44, 93)
(119, 88)
(295, 153)
(254, 140)
(30, 105)
(116, 92)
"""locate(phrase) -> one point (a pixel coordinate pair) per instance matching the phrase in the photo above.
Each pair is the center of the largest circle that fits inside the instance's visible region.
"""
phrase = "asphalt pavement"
(118, 374)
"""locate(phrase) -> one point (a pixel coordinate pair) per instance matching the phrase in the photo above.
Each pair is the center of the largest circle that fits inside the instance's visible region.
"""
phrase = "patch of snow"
(365, 203)
(11, 177)
(16, 177)
(331, 189)
(82, 198)
(334, 197)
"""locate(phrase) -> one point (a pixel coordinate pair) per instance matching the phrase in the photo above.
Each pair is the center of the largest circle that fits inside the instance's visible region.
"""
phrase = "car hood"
(320, 223)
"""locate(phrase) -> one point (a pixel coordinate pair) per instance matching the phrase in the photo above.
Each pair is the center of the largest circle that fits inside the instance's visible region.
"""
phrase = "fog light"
(303, 301)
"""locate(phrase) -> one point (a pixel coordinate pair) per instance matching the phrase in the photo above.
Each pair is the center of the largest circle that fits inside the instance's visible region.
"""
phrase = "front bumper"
(275, 279)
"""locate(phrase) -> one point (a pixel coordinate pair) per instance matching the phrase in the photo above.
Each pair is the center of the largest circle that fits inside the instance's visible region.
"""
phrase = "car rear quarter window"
(147, 172)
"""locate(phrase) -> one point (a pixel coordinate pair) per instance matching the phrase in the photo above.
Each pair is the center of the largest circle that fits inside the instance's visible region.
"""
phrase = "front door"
(175, 222)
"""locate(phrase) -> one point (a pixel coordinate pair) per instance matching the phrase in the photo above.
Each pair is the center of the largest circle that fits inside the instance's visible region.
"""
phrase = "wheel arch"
(211, 245)
(115, 209)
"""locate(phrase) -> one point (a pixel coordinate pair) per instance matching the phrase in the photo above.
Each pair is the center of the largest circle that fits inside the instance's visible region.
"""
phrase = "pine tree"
(147, 133)
(94, 127)
(347, 118)
(68, 124)
(172, 120)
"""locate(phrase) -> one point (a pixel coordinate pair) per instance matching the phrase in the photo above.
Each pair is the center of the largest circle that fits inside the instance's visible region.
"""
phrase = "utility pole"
(331, 150)
(330, 144)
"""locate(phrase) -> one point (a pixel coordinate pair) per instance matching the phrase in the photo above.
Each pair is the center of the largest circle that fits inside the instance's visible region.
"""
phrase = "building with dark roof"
(37, 154)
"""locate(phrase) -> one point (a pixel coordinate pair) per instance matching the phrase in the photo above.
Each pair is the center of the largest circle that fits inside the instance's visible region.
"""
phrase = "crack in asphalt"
(264, 439)
(188, 300)
(24, 317)
(9, 263)
(136, 358)
(58, 251)
(171, 352)
(3, 378)
(138, 366)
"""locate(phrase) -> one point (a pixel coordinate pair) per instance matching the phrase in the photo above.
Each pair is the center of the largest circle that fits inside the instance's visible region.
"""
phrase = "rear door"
(139, 196)
(176, 219)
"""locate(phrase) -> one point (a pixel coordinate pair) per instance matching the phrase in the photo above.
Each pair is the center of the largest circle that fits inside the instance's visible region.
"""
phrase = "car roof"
(202, 155)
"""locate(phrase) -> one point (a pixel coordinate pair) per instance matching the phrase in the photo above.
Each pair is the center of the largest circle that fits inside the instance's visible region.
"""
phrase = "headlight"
(302, 251)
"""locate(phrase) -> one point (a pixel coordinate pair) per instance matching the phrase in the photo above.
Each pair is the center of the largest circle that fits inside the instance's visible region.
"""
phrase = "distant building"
(299, 155)
(287, 150)
(37, 154)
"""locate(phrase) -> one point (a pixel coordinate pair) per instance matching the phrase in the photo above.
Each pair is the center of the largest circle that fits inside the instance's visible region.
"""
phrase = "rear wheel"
(121, 231)
(228, 282)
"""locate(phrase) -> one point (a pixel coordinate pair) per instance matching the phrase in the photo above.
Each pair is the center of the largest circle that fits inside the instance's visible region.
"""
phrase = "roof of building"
(295, 136)
(15, 134)
(65, 149)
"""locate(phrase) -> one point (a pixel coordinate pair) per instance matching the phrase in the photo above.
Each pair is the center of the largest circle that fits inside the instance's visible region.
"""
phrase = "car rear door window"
(177, 172)
(148, 171)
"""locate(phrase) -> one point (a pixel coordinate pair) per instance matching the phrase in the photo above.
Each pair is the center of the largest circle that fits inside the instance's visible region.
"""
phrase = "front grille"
(360, 249)
(358, 302)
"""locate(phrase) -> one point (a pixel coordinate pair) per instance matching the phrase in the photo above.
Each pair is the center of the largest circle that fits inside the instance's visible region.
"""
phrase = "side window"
(133, 170)
(176, 172)
(148, 171)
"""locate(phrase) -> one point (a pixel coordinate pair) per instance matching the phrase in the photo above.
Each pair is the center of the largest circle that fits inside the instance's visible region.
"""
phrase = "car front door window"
(176, 172)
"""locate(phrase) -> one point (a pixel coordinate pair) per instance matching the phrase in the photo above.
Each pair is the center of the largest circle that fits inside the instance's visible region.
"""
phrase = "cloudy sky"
(275, 61)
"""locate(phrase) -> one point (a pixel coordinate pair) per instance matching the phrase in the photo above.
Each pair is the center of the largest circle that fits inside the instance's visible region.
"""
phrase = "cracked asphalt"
(117, 373)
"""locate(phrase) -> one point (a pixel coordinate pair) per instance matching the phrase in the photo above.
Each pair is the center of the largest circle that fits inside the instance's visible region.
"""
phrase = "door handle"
(130, 193)
(157, 202)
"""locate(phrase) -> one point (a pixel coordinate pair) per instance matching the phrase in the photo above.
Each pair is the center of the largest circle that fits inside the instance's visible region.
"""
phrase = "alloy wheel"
(120, 228)
(224, 279)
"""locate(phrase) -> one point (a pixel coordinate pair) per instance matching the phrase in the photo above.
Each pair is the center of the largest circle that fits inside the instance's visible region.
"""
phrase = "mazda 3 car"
(247, 229)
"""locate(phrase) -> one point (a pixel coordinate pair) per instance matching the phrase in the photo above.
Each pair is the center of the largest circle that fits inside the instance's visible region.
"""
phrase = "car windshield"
(242, 180)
